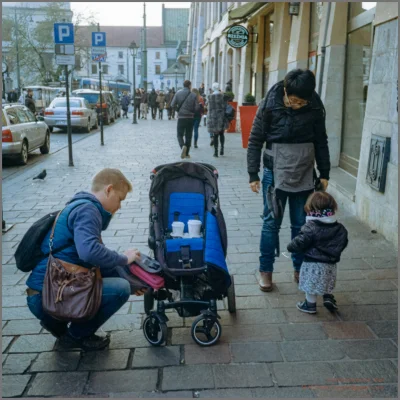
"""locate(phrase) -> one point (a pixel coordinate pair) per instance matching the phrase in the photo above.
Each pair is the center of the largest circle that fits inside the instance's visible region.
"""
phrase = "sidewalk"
(269, 349)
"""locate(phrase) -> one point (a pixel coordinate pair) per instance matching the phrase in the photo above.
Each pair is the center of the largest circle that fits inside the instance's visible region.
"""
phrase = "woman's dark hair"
(187, 83)
(319, 201)
(300, 83)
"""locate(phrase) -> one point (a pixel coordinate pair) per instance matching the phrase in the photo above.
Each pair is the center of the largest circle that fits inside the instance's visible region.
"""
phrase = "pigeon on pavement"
(41, 176)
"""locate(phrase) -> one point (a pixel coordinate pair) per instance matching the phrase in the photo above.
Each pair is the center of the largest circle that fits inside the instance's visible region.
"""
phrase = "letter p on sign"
(98, 39)
(64, 33)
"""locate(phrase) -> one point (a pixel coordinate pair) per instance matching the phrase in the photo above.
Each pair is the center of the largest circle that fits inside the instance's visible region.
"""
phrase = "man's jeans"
(271, 227)
(116, 292)
(185, 129)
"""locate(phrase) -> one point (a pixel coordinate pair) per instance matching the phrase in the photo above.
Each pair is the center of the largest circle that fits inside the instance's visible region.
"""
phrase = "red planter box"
(247, 115)
(232, 125)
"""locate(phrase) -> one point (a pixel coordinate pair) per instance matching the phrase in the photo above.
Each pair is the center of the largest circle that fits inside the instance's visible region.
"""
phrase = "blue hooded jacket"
(79, 224)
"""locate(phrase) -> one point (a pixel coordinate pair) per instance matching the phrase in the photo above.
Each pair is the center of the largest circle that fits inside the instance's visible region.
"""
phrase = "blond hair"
(196, 92)
(111, 176)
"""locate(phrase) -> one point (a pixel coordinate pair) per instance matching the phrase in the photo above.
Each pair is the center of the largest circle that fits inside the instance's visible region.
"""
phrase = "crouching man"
(77, 237)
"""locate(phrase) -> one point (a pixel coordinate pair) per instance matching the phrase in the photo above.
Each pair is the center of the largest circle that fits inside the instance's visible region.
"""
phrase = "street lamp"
(176, 77)
(133, 49)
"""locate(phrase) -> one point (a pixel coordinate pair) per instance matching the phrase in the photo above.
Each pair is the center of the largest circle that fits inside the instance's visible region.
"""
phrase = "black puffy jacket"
(320, 242)
(275, 123)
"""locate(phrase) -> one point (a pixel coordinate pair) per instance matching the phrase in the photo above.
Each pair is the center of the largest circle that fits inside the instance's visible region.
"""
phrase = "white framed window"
(121, 69)
(94, 68)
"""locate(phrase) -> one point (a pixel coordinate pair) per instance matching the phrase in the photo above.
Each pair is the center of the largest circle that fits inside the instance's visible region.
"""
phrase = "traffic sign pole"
(65, 55)
(71, 161)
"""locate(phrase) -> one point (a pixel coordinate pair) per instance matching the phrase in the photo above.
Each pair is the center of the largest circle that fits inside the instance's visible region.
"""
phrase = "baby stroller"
(193, 267)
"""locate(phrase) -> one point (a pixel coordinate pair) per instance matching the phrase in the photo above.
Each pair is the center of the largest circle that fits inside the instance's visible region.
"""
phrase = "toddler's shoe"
(306, 307)
(330, 302)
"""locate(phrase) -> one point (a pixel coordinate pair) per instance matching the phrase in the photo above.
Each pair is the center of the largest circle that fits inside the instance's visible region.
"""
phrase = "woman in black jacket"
(322, 240)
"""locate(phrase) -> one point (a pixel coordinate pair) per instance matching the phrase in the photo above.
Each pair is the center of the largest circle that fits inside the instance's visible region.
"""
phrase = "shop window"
(356, 93)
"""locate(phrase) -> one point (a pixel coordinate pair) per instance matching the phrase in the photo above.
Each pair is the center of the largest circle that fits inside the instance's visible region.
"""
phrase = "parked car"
(23, 132)
(82, 115)
(116, 105)
(93, 98)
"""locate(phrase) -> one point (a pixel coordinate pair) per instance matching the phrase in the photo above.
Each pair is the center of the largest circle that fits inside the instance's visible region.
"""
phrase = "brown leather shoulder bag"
(70, 292)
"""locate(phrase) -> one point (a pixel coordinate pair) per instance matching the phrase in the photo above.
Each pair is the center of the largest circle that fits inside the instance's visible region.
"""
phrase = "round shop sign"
(238, 36)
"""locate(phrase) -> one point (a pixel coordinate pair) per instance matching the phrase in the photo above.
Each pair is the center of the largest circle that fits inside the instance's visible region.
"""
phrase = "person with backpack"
(187, 105)
(77, 242)
(161, 104)
(216, 121)
(291, 121)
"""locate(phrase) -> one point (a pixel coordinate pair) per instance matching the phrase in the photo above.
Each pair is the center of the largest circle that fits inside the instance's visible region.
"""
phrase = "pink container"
(153, 280)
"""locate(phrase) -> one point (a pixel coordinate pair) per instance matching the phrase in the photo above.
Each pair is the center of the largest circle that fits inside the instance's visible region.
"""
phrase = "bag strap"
(54, 227)
(183, 102)
(52, 231)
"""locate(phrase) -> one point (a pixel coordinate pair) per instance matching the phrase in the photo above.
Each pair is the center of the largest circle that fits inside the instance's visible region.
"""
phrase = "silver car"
(82, 115)
(22, 133)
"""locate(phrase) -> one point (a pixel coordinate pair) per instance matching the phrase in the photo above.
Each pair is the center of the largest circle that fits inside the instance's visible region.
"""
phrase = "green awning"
(245, 10)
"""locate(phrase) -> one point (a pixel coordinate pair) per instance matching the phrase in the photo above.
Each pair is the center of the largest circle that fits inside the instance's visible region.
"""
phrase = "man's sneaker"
(188, 156)
(305, 306)
(90, 343)
(184, 150)
(330, 302)
(58, 329)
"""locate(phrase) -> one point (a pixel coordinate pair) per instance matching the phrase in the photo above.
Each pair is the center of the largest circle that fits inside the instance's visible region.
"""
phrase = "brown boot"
(296, 276)
(265, 281)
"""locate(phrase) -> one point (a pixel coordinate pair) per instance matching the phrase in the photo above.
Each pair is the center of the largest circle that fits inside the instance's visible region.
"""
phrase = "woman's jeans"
(116, 292)
(270, 230)
(196, 123)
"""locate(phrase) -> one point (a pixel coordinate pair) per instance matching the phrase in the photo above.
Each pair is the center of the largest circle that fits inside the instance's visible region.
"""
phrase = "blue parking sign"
(98, 39)
(64, 33)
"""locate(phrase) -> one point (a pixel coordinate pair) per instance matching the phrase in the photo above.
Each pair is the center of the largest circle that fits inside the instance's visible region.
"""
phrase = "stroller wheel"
(231, 296)
(154, 331)
(148, 301)
(206, 330)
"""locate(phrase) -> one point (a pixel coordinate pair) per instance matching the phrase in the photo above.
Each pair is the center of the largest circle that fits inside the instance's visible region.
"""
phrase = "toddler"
(322, 240)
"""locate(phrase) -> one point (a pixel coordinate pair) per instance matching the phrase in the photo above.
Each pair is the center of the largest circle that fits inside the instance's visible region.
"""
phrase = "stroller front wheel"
(155, 331)
(206, 330)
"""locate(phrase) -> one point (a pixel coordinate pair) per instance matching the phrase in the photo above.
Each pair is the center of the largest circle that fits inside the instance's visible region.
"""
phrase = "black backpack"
(28, 253)
(229, 113)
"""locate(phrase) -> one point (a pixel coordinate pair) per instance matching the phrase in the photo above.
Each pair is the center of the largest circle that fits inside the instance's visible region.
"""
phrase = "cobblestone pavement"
(268, 349)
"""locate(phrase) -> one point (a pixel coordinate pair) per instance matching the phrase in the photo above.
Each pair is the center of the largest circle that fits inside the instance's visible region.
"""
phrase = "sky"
(126, 14)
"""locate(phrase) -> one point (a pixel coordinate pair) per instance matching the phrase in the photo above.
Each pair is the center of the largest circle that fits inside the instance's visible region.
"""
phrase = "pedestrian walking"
(77, 238)
(168, 100)
(30, 102)
(186, 104)
(321, 240)
(161, 104)
(172, 107)
(202, 89)
(12, 96)
(216, 121)
(144, 104)
(138, 97)
(205, 111)
(197, 117)
(125, 101)
(291, 121)
(153, 103)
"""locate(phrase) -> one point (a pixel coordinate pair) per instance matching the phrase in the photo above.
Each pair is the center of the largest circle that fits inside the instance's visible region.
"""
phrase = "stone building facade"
(352, 49)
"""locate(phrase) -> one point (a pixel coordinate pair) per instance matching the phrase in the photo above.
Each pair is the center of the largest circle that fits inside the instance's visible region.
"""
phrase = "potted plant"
(248, 112)
(229, 96)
